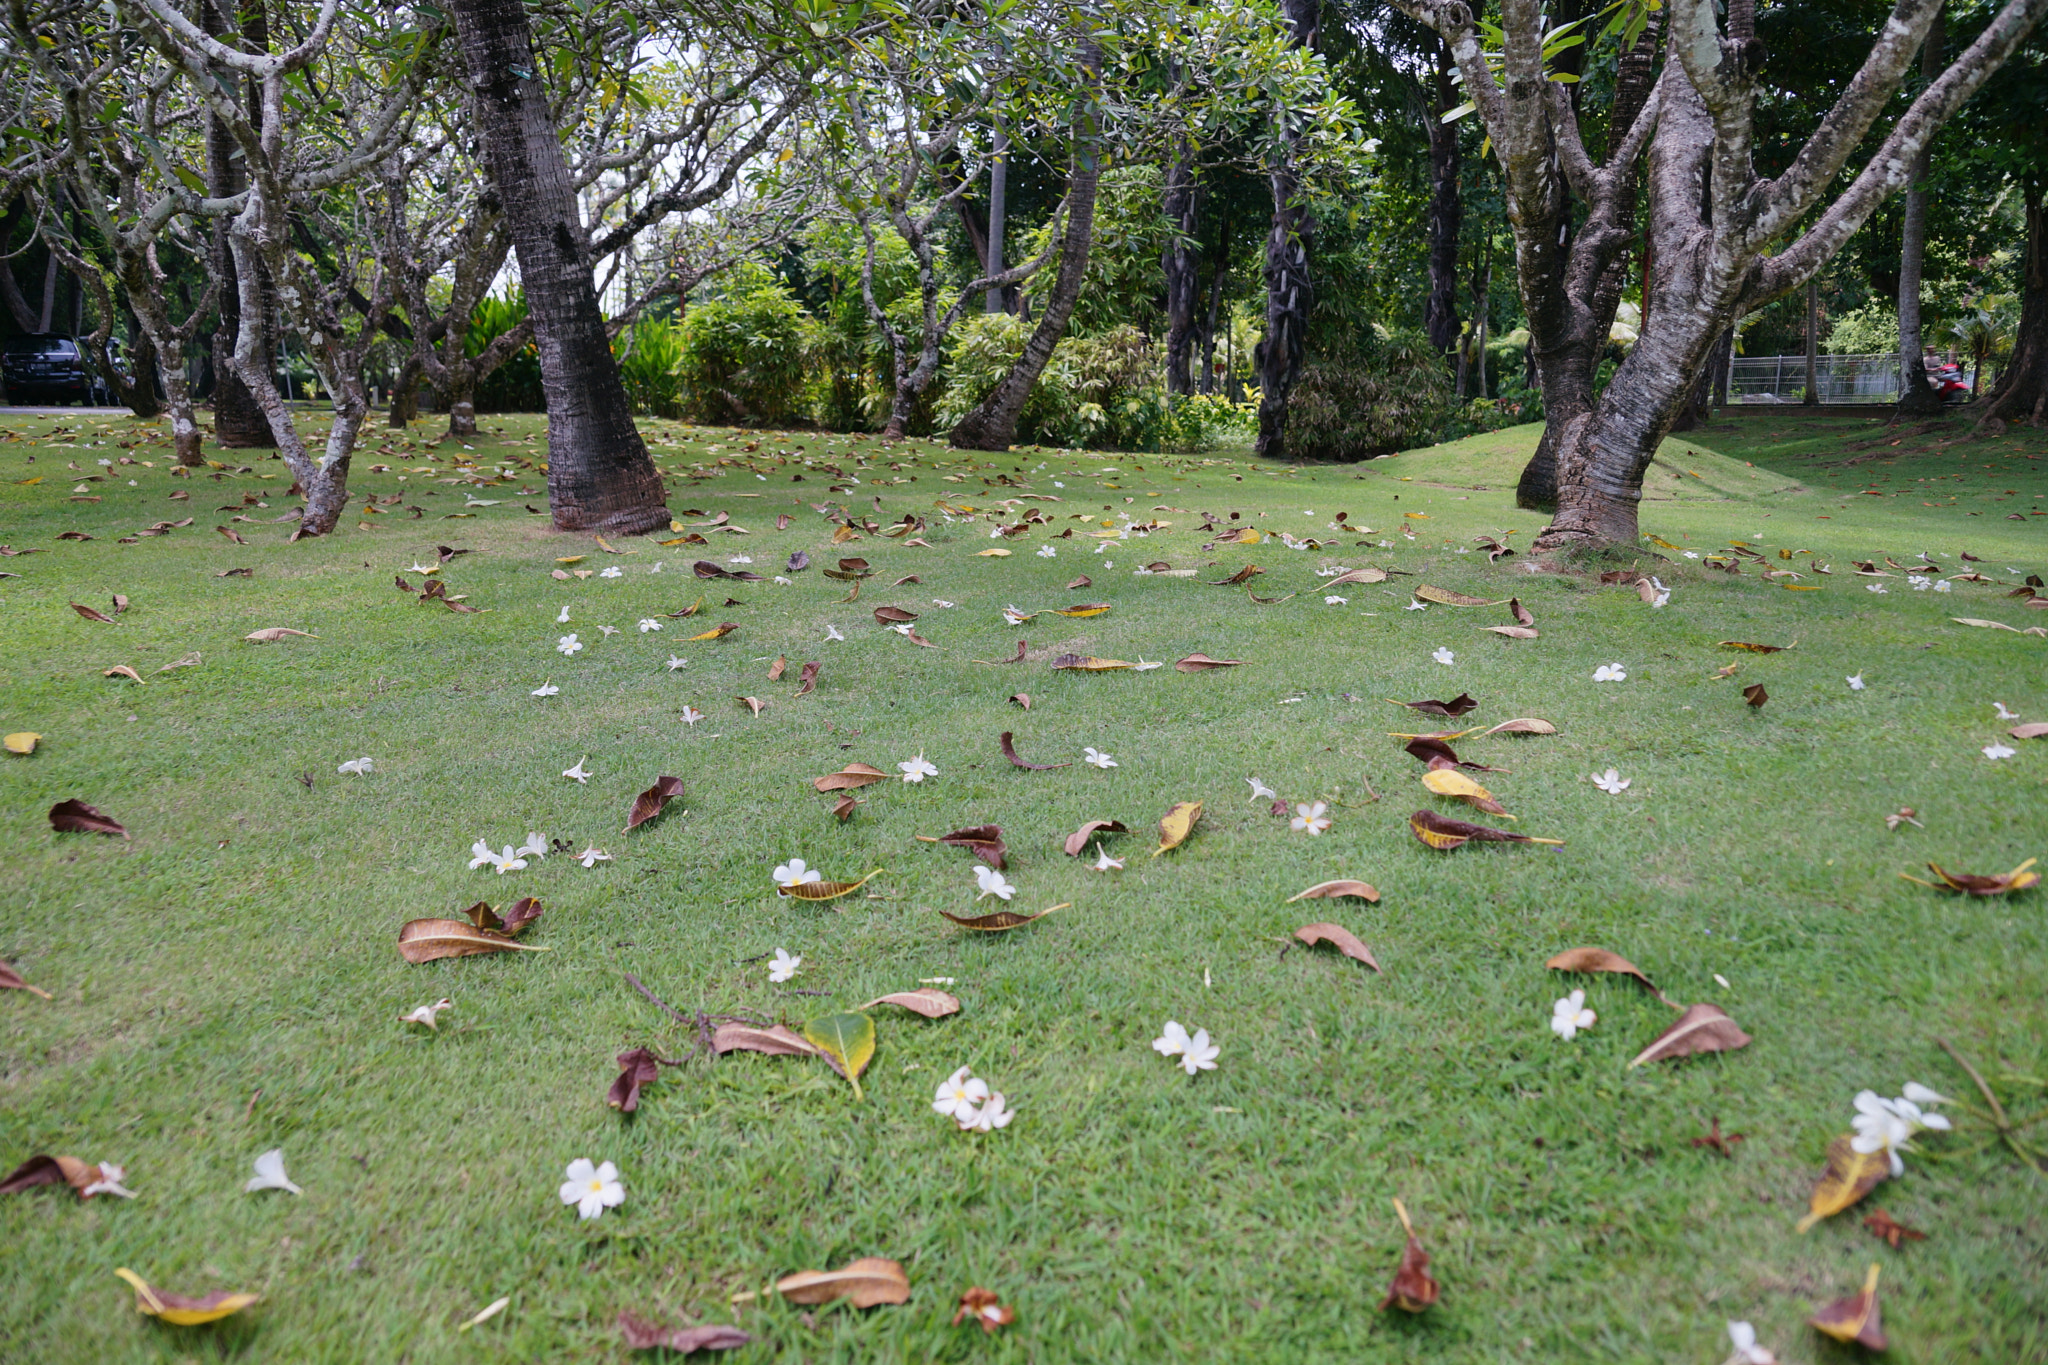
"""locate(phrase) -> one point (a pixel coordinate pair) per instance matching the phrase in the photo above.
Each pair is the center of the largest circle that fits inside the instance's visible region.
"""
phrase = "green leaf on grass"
(848, 1042)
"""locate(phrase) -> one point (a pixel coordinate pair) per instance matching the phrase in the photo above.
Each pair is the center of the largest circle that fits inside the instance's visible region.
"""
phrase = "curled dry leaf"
(851, 776)
(1088, 663)
(846, 1041)
(777, 1041)
(1001, 920)
(844, 808)
(1082, 582)
(1755, 695)
(1446, 598)
(983, 841)
(1521, 725)
(929, 1002)
(807, 679)
(1702, 1028)
(1017, 660)
(1520, 613)
(1646, 591)
(515, 920)
(1413, 1288)
(1022, 699)
(865, 1283)
(1456, 706)
(754, 704)
(775, 669)
(52, 1170)
(1202, 663)
(1515, 632)
(429, 940)
(1434, 753)
(90, 614)
(994, 554)
(649, 803)
(1336, 935)
(718, 632)
(1757, 649)
(1367, 575)
(826, 891)
(121, 671)
(1883, 1226)
(636, 1068)
(641, 1335)
(1451, 782)
(272, 634)
(1855, 1318)
(1010, 752)
(1176, 825)
(2019, 879)
(1242, 575)
(1322, 891)
(181, 1311)
(1082, 837)
(893, 616)
(1082, 610)
(11, 980)
(75, 817)
(1600, 960)
(1444, 834)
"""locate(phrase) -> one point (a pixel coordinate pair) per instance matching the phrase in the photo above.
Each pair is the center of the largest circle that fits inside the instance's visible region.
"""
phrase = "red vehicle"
(1949, 383)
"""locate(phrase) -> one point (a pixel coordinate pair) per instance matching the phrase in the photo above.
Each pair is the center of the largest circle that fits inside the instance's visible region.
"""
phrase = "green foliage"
(1869, 330)
(851, 374)
(740, 356)
(649, 354)
(1123, 284)
(514, 386)
(1374, 396)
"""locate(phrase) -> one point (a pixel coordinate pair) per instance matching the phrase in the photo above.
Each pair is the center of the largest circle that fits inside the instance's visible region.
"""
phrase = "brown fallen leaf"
(235, 536)
(907, 578)
(1702, 1028)
(640, 1335)
(1456, 706)
(272, 634)
(1022, 699)
(1600, 960)
(1446, 598)
(1247, 572)
(1202, 663)
(1367, 575)
(429, 940)
(717, 632)
(1515, 632)
(236, 573)
(120, 604)
(1018, 660)
(11, 980)
(122, 671)
(1756, 649)
(807, 679)
(1413, 1288)
(181, 1311)
(844, 808)
(1520, 613)
(2019, 879)
(931, 1003)
(1727, 672)
(52, 1170)
(1001, 920)
(1434, 753)
(1176, 825)
(75, 817)
(754, 704)
(853, 775)
(1082, 582)
(1646, 591)
(649, 803)
(869, 1281)
(1718, 1141)
(2034, 730)
(1448, 781)
(1855, 1318)
(1010, 752)
(1088, 663)
(893, 616)
(90, 614)
(637, 1068)
(778, 1041)
(826, 891)
(1323, 891)
(983, 841)
(1755, 695)
(984, 1307)
(1337, 935)
(517, 917)
(1087, 834)
(775, 669)
(1522, 725)
(1444, 834)
(1882, 1226)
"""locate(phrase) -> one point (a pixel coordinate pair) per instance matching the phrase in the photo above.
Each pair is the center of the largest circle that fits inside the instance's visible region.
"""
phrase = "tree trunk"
(405, 394)
(992, 425)
(1812, 398)
(1290, 293)
(1219, 273)
(1446, 212)
(998, 212)
(599, 475)
(2021, 394)
(1183, 282)
(1917, 397)
(461, 394)
(239, 422)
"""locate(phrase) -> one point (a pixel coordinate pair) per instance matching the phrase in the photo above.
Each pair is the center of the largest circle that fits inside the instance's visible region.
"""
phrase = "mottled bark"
(1446, 210)
(599, 475)
(1917, 397)
(1290, 291)
(1182, 204)
(239, 422)
(2022, 391)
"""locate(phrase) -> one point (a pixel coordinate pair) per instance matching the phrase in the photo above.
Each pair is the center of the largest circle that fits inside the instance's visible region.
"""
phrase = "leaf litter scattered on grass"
(1337, 936)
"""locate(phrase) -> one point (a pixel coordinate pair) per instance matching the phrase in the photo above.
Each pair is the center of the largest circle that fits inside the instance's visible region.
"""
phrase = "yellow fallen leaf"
(180, 1311)
(994, 554)
(21, 742)
(1176, 825)
(570, 559)
(1849, 1176)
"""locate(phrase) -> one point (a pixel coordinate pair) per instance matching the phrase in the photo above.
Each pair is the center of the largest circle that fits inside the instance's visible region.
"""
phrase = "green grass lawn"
(227, 980)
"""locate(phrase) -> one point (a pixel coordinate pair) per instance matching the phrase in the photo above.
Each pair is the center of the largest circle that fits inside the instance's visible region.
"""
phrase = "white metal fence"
(1840, 378)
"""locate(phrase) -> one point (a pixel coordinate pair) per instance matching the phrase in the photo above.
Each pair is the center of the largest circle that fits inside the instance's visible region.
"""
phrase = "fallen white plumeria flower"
(481, 855)
(562, 619)
(784, 966)
(1260, 791)
(1610, 673)
(1413, 605)
(1444, 656)
(995, 1113)
(591, 857)
(675, 662)
(508, 861)
(958, 1094)
(1875, 587)
(546, 690)
(425, 1014)
(270, 1174)
(418, 567)
(536, 844)
(1335, 601)
(1096, 758)
(941, 602)
(1886, 1126)
(358, 766)
(1196, 1053)
(569, 644)
(1855, 682)
(1569, 1015)
(109, 1182)
(1310, 817)
(592, 1189)
(648, 623)
(1995, 751)
(916, 769)
(613, 572)
(1747, 1352)
(795, 873)
(2004, 714)
(577, 773)
(1611, 782)
(832, 633)
(992, 883)
(1105, 863)
(691, 715)
(1047, 552)
(608, 631)
(1015, 617)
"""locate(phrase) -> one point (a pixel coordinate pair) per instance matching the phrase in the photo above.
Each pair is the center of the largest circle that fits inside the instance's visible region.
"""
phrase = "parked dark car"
(45, 367)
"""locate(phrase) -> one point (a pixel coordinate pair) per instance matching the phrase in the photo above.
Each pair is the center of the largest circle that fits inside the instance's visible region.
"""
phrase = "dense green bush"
(1373, 396)
(514, 386)
(649, 354)
(740, 356)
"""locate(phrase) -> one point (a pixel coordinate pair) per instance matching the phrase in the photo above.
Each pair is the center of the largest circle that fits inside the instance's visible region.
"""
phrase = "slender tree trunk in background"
(1812, 398)
(1482, 288)
(1917, 397)
(405, 393)
(2022, 391)
(1219, 273)
(1183, 282)
(1446, 211)
(239, 422)
(599, 475)
(998, 210)
(992, 425)
(1290, 293)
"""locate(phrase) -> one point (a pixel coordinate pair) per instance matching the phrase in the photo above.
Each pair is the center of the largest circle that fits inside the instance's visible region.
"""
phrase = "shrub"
(1374, 396)
(649, 353)
(515, 385)
(740, 355)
